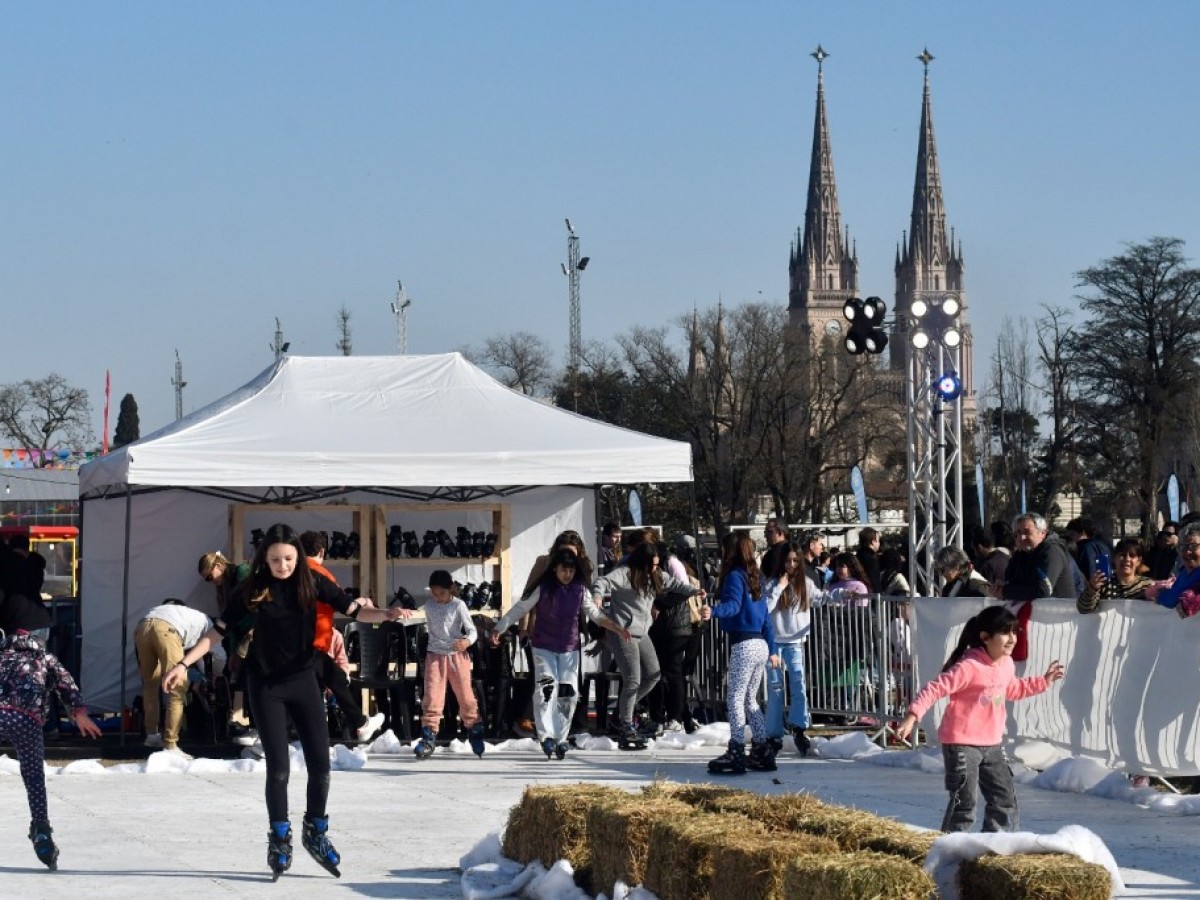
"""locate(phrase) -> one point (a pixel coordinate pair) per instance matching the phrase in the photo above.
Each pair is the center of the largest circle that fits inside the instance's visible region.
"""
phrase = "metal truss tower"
(572, 269)
(934, 459)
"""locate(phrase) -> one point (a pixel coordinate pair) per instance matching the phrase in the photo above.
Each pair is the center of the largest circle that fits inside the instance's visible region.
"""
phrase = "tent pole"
(125, 607)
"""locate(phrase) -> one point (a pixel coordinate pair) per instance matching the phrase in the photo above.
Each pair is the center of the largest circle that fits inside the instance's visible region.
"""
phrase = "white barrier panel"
(1131, 695)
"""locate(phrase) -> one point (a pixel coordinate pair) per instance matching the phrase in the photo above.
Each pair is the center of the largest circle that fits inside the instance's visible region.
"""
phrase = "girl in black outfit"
(280, 597)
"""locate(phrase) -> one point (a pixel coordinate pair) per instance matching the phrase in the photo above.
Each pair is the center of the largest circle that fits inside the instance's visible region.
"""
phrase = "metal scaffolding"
(934, 459)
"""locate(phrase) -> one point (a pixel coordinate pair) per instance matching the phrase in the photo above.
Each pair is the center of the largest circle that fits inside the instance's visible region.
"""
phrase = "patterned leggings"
(747, 662)
(25, 734)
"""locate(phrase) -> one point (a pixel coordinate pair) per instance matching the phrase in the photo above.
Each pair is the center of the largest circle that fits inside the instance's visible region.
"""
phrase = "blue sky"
(176, 176)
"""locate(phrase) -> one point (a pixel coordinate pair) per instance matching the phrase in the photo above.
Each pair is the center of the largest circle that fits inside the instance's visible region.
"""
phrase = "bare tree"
(519, 360)
(45, 414)
(1011, 423)
(1060, 463)
(1135, 360)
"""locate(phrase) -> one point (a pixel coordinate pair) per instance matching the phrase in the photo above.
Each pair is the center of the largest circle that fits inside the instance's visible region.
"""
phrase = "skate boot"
(475, 739)
(561, 750)
(43, 844)
(424, 747)
(279, 848)
(802, 742)
(762, 757)
(630, 738)
(731, 762)
(775, 744)
(548, 747)
(316, 842)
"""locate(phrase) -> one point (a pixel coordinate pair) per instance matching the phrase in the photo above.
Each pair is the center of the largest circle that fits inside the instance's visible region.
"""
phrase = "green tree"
(128, 426)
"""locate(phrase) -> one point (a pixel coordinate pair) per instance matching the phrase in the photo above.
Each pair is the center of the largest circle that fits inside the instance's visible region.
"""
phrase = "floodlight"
(583, 263)
(950, 306)
(919, 308)
(920, 340)
(851, 309)
(948, 387)
(952, 338)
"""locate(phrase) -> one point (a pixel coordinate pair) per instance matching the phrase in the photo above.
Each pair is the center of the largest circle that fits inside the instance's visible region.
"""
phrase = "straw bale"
(620, 837)
(550, 823)
(753, 866)
(848, 876)
(700, 794)
(680, 865)
(1033, 876)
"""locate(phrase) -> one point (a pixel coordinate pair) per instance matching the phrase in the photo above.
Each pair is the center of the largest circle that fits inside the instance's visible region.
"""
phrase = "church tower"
(823, 265)
(929, 267)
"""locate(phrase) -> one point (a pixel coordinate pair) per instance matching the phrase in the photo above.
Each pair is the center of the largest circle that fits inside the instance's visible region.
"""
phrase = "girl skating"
(27, 676)
(979, 678)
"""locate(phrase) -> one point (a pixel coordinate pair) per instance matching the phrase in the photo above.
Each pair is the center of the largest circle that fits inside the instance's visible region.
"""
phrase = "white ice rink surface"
(166, 828)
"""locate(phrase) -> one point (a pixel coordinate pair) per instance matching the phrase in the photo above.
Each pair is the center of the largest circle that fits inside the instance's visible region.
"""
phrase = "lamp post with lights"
(933, 396)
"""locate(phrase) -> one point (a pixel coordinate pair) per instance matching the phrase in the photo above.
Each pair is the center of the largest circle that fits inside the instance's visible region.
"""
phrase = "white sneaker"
(249, 739)
(153, 740)
(370, 728)
(673, 727)
(175, 751)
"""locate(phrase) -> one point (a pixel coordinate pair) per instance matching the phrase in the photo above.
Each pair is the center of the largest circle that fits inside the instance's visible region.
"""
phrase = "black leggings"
(299, 696)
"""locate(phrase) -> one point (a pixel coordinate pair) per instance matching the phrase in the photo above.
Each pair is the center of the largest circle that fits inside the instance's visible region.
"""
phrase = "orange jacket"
(324, 633)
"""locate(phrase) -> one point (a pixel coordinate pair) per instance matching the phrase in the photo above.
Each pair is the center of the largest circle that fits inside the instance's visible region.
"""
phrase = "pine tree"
(128, 428)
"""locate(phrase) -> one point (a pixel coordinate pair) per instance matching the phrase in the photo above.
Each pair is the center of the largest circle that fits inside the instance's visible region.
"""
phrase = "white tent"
(311, 429)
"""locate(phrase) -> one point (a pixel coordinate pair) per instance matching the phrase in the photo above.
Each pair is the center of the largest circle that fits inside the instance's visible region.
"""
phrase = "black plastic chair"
(375, 648)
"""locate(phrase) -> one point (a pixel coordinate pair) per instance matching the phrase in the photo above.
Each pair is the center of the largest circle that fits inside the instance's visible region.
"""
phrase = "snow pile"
(488, 874)
(948, 851)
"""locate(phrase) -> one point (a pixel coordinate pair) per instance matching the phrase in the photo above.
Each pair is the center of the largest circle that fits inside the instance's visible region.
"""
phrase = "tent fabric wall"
(171, 529)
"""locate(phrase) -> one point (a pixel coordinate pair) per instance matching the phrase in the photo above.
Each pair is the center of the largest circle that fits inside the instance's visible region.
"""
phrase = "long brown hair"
(739, 554)
(796, 591)
(643, 576)
(257, 587)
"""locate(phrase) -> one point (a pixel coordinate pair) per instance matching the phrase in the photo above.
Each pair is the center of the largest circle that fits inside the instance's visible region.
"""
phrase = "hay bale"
(856, 875)
(898, 839)
(620, 837)
(680, 865)
(753, 866)
(1033, 876)
(550, 823)
(701, 794)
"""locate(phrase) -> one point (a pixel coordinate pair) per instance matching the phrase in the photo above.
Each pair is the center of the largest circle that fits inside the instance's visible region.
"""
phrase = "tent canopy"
(386, 422)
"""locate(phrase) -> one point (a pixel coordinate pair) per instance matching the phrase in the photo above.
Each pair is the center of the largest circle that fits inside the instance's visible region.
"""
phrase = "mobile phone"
(1104, 566)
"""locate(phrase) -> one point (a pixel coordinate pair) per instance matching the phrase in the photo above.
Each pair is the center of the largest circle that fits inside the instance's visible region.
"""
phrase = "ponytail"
(991, 620)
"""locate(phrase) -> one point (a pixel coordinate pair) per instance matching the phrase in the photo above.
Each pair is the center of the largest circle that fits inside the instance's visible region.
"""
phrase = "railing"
(857, 664)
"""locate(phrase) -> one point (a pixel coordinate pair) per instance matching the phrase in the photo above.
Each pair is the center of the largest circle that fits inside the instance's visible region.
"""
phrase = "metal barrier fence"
(857, 665)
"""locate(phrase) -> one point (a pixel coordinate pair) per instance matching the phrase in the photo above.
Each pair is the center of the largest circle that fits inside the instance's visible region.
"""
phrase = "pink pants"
(455, 669)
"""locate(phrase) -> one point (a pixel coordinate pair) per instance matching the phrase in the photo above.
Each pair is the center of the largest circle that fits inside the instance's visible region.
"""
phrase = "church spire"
(928, 245)
(821, 264)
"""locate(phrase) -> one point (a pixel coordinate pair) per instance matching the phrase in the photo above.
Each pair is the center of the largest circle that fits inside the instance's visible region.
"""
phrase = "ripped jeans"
(555, 692)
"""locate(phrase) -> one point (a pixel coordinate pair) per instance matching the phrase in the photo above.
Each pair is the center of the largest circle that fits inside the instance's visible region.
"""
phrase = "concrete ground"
(402, 825)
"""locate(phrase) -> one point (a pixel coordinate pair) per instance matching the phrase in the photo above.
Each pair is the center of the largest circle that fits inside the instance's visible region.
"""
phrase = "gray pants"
(637, 662)
(971, 769)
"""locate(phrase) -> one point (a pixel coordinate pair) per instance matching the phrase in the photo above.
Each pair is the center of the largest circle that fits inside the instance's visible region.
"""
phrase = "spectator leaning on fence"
(1182, 591)
(1127, 583)
(1041, 566)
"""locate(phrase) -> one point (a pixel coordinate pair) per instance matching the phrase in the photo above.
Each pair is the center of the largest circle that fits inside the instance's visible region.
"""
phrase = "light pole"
(400, 310)
(179, 384)
(280, 346)
(571, 269)
(933, 397)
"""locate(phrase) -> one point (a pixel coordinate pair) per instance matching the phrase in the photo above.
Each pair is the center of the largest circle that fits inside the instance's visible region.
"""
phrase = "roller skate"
(762, 757)
(802, 742)
(279, 848)
(475, 739)
(317, 843)
(548, 746)
(561, 750)
(424, 747)
(731, 762)
(43, 844)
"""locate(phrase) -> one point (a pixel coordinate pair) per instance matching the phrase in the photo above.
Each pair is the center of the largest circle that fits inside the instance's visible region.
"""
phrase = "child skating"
(561, 597)
(27, 676)
(979, 679)
(451, 633)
